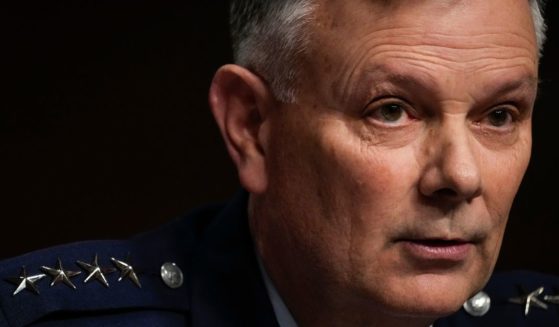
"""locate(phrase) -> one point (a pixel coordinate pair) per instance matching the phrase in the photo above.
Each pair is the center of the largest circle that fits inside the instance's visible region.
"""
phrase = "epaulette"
(515, 298)
(141, 280)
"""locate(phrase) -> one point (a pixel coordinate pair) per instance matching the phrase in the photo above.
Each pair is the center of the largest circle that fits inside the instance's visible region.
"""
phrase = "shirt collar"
(283, 316)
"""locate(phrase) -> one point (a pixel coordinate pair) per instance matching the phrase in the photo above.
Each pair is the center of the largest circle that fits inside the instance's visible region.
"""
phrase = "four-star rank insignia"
(60, 275)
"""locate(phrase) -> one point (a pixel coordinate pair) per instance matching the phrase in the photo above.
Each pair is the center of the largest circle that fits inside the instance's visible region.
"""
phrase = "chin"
(425, 308)
(429, 295)
(422, 307)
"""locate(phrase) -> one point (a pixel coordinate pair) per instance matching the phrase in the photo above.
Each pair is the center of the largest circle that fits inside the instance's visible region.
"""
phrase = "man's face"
(391, 179)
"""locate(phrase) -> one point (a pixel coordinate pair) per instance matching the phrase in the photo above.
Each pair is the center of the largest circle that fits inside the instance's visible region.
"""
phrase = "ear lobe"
(239, 101)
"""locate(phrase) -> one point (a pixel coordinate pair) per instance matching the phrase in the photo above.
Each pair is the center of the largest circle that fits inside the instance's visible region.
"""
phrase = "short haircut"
(268, 37)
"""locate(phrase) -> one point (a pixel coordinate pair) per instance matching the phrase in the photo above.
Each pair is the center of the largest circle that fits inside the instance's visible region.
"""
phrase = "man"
(381, 144)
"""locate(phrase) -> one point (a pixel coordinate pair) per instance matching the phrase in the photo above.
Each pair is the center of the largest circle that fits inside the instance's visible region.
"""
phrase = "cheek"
(333, 182)
(371, 192)
(502, 175)
(370, 183)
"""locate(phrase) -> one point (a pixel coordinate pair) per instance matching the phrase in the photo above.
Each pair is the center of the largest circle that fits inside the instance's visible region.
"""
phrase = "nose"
(452, 169)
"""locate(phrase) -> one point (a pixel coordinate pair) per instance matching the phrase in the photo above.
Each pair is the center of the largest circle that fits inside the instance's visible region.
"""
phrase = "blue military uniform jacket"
(199, 270)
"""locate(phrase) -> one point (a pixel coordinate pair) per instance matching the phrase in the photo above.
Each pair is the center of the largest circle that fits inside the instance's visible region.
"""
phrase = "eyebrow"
(418, 80)
(511, 85)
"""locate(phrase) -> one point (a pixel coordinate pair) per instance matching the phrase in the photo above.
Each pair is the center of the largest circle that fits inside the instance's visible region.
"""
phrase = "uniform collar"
(226, 284)
(284, 317)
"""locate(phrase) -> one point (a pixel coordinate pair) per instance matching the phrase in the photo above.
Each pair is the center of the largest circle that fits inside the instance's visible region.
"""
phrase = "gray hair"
(268, 37)
(539, 22)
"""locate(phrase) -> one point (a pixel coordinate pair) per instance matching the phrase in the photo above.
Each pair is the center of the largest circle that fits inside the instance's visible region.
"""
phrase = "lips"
(454, 250)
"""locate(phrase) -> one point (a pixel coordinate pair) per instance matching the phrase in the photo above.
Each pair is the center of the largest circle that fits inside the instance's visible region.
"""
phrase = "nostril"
(446, 193)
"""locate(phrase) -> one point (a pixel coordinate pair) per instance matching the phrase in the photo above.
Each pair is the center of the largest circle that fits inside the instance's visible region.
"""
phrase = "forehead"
(342, 21)
(469, 37)
(487, 14)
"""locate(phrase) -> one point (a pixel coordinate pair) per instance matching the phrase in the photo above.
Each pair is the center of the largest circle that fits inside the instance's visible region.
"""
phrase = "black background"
(105, 129)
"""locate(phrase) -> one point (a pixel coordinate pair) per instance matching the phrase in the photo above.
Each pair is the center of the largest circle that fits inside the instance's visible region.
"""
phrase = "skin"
(413, 123)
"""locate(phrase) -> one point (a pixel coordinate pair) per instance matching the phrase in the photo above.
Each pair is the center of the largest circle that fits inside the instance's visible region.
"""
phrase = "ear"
(240, 101)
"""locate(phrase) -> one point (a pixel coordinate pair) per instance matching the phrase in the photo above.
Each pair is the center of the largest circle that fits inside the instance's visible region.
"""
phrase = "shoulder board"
(516, 298)
(145, 278)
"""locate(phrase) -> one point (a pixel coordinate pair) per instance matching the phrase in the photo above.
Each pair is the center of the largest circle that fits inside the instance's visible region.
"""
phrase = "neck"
(315, 308)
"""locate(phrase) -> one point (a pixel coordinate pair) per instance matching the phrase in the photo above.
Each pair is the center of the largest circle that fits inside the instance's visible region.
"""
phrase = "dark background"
(105, 129)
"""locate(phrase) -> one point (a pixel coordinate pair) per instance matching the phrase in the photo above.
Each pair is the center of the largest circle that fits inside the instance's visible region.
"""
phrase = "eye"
(499, 117)
(391, 112)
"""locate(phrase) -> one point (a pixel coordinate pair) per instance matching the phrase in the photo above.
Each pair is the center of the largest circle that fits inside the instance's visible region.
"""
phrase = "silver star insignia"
(551, 299)
(95, 271)
(530, 300)
(26, 282)
(58, 274)
(126, 271)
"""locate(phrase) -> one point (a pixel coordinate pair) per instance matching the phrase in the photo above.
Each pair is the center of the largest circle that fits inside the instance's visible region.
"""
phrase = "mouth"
(434, 249)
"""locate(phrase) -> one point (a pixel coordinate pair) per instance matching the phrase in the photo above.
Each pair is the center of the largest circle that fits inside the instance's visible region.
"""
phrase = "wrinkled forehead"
(463, 41)
(341, 21)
